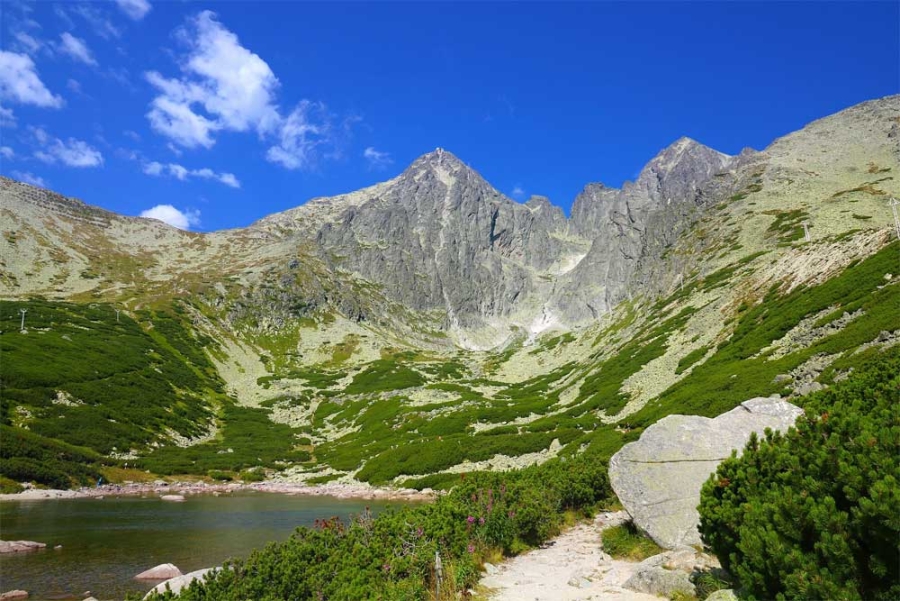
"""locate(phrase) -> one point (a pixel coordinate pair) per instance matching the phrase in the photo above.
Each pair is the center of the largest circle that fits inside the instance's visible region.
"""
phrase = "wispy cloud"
(7, 117)
(518, 191)
(183, 220)
(76, 49)
(19, 82)
(30, 178)
(224, 87)
(72, 152)
(7, 153)
(182, 173)
(134, 9)
(97, 18)
(376, 158)
(26, 42)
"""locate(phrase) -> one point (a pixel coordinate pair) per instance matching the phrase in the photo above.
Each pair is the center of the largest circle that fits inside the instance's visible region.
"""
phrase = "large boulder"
(180, 582)
(163, 571)
(658, 478)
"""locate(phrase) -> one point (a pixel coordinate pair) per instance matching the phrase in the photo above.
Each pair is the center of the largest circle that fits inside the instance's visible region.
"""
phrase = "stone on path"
(658, 477)
(163, 571)
(20, 546)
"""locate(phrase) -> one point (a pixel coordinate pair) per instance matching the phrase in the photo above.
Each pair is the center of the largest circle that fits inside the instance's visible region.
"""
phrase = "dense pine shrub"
(392, 556)
(813, 513)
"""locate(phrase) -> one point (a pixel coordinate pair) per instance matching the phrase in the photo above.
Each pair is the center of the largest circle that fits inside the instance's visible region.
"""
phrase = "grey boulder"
(658, 477)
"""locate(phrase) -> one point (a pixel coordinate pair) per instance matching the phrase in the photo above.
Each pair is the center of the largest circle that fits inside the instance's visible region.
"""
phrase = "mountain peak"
(439, 156)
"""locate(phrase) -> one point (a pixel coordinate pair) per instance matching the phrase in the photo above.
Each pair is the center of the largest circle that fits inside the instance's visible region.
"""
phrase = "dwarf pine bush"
(813, 513)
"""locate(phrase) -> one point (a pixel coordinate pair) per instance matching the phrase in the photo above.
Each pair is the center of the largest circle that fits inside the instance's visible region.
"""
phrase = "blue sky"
(212, 115)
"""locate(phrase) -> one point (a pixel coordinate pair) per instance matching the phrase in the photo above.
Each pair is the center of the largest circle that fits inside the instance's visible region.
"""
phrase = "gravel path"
(571, 567)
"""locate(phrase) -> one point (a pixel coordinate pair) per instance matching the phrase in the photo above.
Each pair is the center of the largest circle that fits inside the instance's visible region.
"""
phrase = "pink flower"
(471, 519)
(471, 548)
(481, 521)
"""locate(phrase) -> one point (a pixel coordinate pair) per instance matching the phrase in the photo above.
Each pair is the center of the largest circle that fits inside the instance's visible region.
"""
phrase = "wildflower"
(471, 519)
(471, 548)
(481, 521)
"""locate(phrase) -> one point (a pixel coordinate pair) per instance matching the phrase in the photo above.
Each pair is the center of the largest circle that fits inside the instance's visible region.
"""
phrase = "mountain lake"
(107, 541)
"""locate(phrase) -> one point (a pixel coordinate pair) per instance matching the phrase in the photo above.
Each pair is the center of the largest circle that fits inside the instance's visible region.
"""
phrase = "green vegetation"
(248, 439)
(691, 358)
(788, 225)
(392, 556)
(27, 457)
(740, 369)
(81, 376)
(812, 514)
(384, 375)
(625, 542)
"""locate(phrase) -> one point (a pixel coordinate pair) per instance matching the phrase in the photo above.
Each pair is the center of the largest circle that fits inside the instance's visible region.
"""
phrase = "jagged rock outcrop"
(658, 478)
(627, 225)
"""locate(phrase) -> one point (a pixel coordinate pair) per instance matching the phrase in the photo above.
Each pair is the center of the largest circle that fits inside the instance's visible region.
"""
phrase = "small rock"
(659, 581)
(490, 569)
(173, 498)
(725, 594)
(57, 547)
(809, 388)
(163, 571)
(16, 595)
(781, 378)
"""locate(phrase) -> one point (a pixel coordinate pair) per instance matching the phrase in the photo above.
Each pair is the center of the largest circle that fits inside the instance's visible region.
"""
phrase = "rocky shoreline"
(177, 491)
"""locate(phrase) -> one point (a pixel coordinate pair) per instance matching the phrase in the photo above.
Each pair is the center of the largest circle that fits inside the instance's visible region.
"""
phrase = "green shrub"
(812, 513)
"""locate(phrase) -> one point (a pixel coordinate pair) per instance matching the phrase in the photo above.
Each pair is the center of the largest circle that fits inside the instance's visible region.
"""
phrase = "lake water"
(107, 542)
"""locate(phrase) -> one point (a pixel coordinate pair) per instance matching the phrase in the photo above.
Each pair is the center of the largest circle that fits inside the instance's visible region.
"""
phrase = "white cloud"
(7, 118)
(76, 49)
(376, 158)
(518, 191)
(234, 88)
(130, 133)
(226, 87)
(135, 9)
(6, 152)
(19, 82)
(28, 43)
(183, 220)
(30, 178)
(182, 173)
(73, 85)
(72, 153)
(307, 127)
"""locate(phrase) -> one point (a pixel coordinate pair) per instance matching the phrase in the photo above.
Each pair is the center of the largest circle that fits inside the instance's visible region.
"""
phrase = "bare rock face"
(658, 478)
(163, 571)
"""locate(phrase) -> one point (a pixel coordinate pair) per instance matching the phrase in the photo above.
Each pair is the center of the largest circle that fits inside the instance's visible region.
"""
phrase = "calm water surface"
(106, 542)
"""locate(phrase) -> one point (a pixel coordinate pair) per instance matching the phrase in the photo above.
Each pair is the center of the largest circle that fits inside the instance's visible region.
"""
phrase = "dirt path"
(571, 567)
